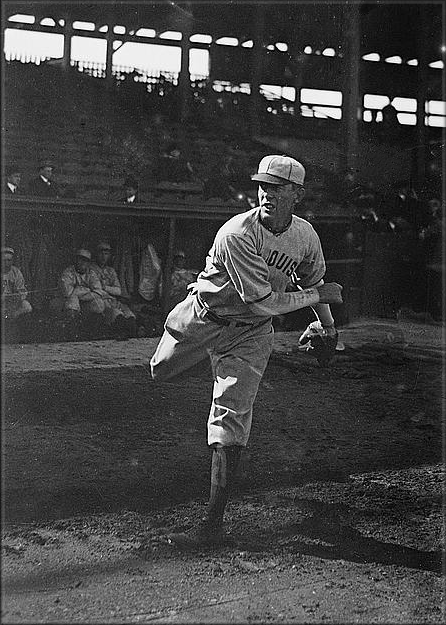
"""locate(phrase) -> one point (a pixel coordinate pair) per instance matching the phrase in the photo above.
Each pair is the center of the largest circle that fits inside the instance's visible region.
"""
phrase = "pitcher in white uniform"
(227, 316)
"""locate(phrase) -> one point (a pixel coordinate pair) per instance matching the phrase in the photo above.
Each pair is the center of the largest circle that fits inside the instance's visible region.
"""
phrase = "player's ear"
(299, 193)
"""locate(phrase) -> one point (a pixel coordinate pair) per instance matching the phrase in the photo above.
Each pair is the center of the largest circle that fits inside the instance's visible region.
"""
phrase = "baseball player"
(227, 315)
(14, 293)
(117, 313)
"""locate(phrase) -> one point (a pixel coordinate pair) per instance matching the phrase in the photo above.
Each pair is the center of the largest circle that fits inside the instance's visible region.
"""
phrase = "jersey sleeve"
(19, 284)
(312, 268)
(245, 267)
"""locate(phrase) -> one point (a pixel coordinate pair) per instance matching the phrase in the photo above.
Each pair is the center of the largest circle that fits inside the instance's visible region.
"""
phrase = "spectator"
(174, 166)
(131, 192)
(81, 295)
(13, 180)
(118, 315)
(14, 293)
(180, 278)
(44, 185)
(404, 207)
(219, 180)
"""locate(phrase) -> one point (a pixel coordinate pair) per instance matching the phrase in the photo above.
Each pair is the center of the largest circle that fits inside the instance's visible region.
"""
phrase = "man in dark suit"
(13, 179)
(44, 185)
(131, 194)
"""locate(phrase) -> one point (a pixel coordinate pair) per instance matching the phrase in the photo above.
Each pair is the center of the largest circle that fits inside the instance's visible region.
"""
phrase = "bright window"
(88, 49)
(227, 41)
(372, 101)
(436, 107)
(407, 119)
(149, 56)
(321, 96)
(83, 25)
(22, 43)
(436, 120)
(171, 34)
(373, 56)
(405, 105)
(47, 21)
(23, 19)
(146, 32)
(198, 62)
(198, 38)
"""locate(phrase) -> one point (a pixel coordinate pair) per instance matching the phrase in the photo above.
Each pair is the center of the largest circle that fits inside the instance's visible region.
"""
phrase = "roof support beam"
(257, 69)
(419, 172)
(351, 103)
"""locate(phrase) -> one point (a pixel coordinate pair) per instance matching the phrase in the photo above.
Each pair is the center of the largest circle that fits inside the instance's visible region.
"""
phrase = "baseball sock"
(225, 462)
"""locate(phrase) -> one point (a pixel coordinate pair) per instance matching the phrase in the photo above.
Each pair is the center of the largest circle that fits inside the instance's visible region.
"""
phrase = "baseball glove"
(316, 341)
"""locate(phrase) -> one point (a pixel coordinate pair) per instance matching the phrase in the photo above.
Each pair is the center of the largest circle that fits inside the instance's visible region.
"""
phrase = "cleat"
(201, 537)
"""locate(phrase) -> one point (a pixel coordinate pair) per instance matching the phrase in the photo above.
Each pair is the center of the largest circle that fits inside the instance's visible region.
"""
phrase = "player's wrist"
(329, 330)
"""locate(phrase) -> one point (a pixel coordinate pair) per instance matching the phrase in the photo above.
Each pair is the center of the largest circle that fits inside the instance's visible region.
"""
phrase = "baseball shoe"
(201, 537)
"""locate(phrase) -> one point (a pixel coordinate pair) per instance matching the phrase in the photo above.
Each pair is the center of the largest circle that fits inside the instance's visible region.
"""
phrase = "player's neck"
(276, 226)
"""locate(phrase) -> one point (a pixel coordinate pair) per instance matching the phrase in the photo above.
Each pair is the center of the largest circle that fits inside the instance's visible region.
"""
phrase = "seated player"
(14, 293)
(81, 295)
(16, 308)
(118, 315)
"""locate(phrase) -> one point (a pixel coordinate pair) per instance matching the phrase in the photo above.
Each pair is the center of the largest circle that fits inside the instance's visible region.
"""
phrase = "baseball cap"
(277, 169)
(46, 163)
(12, 169)
(84, 253)
(103, 246)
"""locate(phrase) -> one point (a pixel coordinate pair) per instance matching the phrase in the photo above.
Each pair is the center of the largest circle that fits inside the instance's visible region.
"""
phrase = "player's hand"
(319, 342)
(330, 293)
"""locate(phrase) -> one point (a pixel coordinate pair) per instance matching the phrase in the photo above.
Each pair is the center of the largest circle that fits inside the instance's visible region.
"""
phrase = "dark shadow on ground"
(326, 534)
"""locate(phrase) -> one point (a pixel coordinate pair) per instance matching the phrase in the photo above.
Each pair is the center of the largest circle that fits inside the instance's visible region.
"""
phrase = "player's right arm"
(249, 272)
(281, 303)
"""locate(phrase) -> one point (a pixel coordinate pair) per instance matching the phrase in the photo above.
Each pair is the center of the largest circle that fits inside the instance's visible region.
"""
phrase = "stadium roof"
(388, 28)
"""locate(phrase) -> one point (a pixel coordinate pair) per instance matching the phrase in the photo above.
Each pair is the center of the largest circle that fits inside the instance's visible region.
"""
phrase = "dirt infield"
(338, 513)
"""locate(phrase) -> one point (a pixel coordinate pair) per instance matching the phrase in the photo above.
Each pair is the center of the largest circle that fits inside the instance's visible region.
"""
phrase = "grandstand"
(299, 80)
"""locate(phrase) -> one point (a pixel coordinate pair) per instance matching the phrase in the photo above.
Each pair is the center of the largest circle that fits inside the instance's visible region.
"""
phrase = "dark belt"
(222, 321)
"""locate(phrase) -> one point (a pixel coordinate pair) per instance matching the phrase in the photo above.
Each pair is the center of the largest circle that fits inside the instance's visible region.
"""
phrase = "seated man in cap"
(118, 315)
(13, 179)
(81, 293)
(44, 185)
(14, 293)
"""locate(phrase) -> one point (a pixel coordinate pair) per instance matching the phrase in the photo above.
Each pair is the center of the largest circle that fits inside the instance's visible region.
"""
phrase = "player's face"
(6, 261)
(81, 264)
(277, 201)
(104, 257)
(15, 178)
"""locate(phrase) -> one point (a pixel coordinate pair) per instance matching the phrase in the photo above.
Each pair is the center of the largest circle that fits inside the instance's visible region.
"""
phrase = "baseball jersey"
(74, 283)
(247, 262)
(13, 283)
(108, 277)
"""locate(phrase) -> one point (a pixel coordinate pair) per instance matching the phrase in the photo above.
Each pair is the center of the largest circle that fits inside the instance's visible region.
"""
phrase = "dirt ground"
(338, 516)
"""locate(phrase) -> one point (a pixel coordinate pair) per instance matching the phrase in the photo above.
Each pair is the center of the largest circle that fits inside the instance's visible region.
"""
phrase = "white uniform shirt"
(247, 262)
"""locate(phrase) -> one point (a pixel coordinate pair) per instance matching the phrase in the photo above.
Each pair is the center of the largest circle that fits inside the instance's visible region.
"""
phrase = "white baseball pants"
(238, 354)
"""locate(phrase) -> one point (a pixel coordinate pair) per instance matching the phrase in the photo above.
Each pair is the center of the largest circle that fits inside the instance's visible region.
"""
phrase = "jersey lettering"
(272, 257)
(290, 271)
(284, 263)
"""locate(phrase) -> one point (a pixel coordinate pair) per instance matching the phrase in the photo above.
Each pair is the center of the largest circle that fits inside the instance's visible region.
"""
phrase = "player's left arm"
(323, 311)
